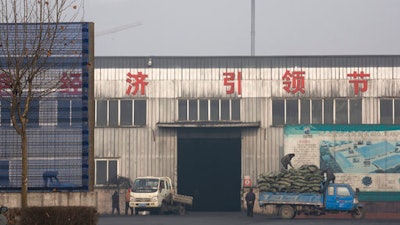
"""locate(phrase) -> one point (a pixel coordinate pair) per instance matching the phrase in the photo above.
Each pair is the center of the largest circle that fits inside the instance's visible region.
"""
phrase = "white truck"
(156, 194)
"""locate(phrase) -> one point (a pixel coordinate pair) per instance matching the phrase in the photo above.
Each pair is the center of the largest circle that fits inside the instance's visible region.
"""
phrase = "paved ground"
(239, 218)
(377, 216)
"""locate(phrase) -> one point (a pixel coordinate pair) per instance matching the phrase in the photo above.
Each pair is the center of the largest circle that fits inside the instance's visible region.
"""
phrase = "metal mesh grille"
(58, 132)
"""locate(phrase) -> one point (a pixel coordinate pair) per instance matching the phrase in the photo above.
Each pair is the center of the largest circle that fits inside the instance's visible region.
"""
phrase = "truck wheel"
(164, 208)
(287, 212)
(182, 210)
(358, 213)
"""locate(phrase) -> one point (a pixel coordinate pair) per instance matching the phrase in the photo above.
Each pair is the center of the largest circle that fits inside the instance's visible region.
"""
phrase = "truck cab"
(340, 197)
(148, 193)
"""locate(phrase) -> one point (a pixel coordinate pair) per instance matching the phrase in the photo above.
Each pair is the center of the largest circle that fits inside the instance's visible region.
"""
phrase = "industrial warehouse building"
(209, 122)
(214, 124)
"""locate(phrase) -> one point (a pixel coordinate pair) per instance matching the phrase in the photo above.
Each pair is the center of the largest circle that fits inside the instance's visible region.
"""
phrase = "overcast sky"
(223, 27)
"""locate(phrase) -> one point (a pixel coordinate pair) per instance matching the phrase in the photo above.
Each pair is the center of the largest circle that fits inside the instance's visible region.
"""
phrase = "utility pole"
(253, 27)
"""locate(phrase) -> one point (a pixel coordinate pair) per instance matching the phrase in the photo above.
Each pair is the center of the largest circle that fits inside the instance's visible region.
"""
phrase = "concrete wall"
(13, 200)
(100, 199)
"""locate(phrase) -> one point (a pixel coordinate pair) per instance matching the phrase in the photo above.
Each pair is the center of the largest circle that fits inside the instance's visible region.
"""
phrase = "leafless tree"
(30, 31)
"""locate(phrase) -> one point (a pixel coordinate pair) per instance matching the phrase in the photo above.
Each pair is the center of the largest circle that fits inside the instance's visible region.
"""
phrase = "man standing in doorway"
(250, 199)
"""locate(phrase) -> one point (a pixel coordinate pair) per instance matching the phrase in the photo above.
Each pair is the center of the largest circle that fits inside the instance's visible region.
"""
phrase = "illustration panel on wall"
(365, 156)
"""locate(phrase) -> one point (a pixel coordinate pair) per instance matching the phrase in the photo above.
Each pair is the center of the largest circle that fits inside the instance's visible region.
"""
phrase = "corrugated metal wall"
(151, 150)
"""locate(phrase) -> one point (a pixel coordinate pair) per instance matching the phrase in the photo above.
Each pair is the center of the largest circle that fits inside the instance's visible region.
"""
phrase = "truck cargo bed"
(188, 200)
(282, 198)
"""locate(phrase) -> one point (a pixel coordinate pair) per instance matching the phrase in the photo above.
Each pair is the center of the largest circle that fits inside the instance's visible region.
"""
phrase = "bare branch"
(33, 46)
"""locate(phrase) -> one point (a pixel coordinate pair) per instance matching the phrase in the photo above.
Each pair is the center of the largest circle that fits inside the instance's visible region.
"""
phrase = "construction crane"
(118, 29)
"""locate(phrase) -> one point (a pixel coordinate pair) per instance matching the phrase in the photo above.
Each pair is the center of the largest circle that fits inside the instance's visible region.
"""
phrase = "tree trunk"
(24, 174)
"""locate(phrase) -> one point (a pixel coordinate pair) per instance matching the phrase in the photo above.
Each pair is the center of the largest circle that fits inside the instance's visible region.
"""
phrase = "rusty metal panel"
(171, 106)
(275, 148)
(396, 68)
(321, 74)
(261, 151)
(154, 154)
(248, 153)
(98, 144)
(370, 114)
(161, 110)
(252, 109)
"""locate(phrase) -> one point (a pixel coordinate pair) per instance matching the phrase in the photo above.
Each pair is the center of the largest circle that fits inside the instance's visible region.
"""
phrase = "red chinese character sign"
(229, 81)
(359, 81)
(137, 82)
(293, 81)
(71, 84)
(5, 83)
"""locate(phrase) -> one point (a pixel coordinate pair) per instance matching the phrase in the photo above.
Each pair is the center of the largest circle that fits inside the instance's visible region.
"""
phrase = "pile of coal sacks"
(306, 179)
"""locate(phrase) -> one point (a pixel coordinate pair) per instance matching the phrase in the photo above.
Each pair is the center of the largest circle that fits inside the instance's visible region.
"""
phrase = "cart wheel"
(287, 212)
(358, 213)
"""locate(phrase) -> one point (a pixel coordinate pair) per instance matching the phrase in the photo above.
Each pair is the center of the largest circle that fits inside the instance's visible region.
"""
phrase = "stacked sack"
(306, 179)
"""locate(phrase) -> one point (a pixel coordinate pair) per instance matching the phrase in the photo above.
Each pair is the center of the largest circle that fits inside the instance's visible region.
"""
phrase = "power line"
(118, 29)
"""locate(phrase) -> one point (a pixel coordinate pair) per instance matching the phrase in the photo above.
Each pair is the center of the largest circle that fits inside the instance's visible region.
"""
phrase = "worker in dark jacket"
(286, 160)
(330, 177)
(115, 202)
(250, 199)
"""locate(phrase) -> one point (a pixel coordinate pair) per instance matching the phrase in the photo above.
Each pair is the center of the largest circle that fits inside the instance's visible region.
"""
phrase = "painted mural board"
(365, 156)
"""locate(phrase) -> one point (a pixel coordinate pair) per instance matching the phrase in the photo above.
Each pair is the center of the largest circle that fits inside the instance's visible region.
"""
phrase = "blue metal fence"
(58, 128)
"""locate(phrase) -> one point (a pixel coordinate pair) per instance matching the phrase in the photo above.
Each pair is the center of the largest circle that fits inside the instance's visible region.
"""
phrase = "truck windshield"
(145, 185)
